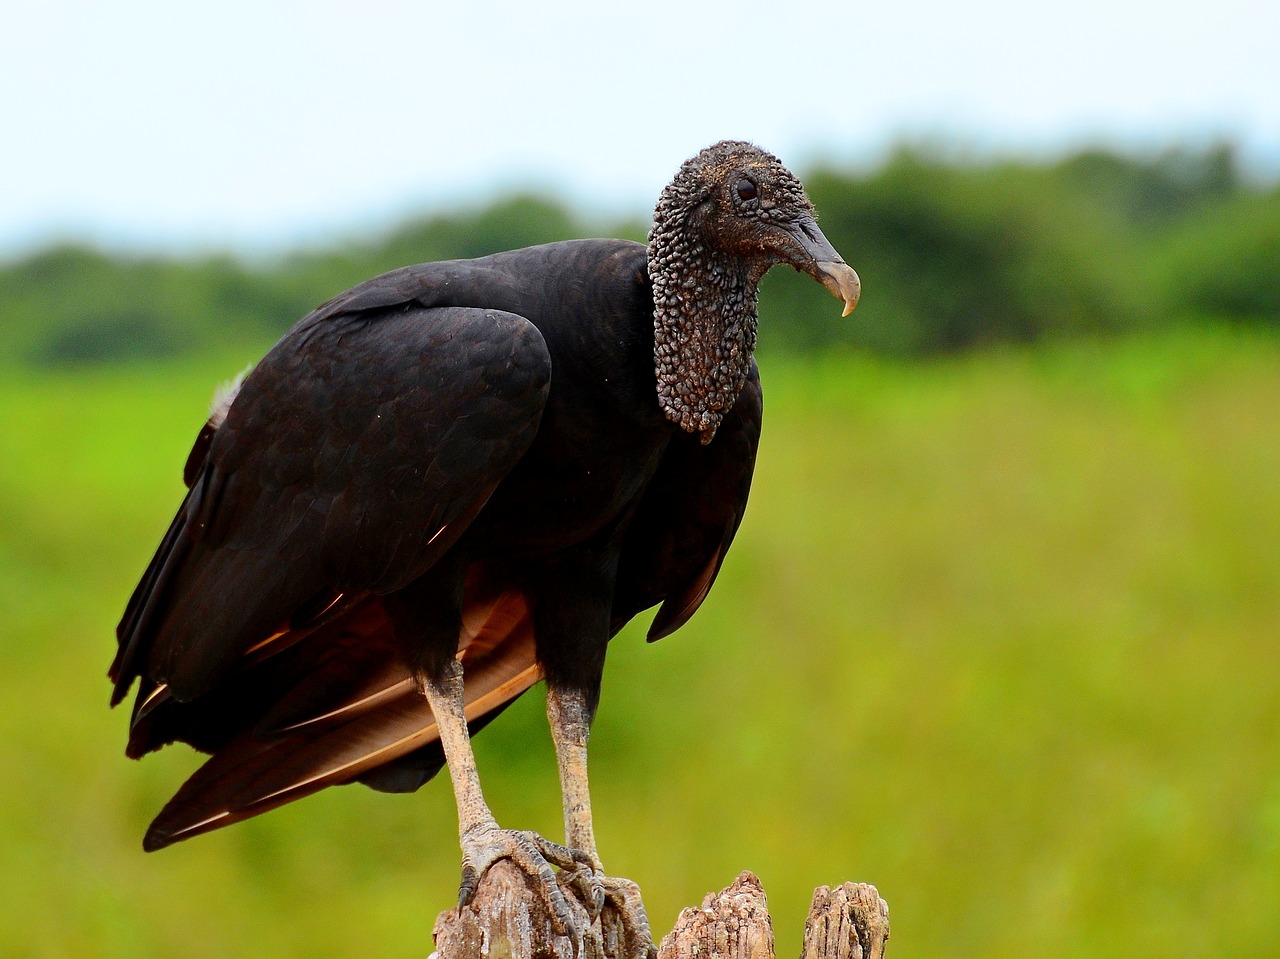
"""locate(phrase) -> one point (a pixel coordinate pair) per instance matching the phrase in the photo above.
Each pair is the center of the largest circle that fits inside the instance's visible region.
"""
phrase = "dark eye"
(746, 189)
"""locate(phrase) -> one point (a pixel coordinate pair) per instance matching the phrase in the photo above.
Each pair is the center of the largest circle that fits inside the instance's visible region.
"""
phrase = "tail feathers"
(379, 729)
(252, 775)
(309, 675)
(414, 770)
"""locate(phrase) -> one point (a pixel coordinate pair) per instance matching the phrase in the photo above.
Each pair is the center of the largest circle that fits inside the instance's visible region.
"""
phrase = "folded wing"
(352, 458)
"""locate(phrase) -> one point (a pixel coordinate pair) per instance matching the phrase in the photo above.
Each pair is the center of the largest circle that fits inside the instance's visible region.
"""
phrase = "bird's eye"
(746, 189)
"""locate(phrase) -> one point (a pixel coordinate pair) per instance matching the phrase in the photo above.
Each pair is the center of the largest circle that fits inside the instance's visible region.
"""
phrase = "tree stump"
(849, 922)
(734, 924)
(508, 919)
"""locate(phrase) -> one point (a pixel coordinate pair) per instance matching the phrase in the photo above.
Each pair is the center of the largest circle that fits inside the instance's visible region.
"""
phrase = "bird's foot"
(486, 844)
(602, 895)
(623, 896)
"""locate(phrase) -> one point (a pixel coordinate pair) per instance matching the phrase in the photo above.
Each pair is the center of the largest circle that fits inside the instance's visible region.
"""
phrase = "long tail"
(333, 707)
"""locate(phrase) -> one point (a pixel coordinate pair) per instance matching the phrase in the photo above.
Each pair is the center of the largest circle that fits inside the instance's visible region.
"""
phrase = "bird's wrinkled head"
(732, 212)
(737, 199)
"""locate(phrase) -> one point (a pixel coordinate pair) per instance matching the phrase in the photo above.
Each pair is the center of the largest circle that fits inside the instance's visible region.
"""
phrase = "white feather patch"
(223, 396)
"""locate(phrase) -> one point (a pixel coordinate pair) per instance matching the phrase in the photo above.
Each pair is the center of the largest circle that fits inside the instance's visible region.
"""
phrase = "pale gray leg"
(483, 842)
(570, 723)
(570, 730)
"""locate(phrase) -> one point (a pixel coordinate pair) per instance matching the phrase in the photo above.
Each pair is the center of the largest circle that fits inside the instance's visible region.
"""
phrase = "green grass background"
(999, 634)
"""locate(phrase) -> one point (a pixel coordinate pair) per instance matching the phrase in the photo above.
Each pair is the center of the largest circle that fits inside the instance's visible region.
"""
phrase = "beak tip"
(841, 281)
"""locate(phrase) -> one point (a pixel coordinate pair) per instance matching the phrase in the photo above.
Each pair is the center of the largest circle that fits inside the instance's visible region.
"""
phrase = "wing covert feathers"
(352, 458)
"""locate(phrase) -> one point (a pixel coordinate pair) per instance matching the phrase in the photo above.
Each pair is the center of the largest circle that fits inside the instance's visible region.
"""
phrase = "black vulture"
(448, 483)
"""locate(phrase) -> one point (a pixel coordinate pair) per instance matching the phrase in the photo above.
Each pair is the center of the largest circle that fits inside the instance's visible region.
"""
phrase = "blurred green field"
(998, 635)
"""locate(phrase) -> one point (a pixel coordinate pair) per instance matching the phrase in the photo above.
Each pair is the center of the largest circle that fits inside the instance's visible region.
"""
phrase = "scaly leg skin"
(570, 721)
(483, 842)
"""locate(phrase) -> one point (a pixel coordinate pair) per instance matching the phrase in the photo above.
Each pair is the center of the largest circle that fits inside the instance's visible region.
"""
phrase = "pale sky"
(254, 124)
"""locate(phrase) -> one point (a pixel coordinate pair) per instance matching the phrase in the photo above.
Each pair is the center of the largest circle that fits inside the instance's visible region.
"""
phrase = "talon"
(585, 879)
(624, 896)
(470, 882)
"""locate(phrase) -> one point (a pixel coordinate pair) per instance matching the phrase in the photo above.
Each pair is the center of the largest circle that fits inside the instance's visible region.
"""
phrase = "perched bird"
(448, 483)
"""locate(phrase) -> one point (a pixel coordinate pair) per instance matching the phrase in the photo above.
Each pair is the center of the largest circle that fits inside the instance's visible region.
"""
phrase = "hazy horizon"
(265, 127)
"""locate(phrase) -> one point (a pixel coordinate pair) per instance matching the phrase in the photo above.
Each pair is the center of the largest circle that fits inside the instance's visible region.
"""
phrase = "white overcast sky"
(254, 124)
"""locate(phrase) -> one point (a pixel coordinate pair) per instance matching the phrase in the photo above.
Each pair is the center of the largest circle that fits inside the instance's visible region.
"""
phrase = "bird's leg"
(570, 722)
(483, 842)
(569, 715)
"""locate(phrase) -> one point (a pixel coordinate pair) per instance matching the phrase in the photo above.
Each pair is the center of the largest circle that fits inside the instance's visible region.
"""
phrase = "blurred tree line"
(954, 256)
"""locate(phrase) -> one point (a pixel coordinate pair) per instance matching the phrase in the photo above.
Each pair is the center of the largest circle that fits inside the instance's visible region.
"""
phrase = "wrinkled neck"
(704, 321)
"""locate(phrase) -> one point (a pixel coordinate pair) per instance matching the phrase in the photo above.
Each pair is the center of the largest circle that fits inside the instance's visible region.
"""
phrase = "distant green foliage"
(1152, 193)
(953, 256)
(1227, 262)
(954, 259)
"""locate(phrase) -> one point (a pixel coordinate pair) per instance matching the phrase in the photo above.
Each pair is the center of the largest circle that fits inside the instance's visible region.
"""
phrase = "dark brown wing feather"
(353, 456)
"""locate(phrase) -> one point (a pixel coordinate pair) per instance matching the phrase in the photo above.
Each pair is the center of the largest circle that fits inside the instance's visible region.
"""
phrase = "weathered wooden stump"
(507, 919)
(848, 922)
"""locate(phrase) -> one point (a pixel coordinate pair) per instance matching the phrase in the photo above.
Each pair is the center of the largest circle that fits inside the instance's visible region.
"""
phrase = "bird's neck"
(704, 326)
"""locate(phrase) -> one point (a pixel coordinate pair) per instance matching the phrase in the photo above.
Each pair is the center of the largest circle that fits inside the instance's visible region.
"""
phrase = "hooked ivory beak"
(841, 281)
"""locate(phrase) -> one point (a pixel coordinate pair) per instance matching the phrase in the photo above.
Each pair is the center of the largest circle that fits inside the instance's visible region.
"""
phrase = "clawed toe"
(603, 895)
(586, 881)
(623, 897)
(535, 856)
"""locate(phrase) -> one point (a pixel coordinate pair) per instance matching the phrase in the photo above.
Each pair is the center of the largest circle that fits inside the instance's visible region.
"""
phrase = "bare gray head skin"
(732, 212)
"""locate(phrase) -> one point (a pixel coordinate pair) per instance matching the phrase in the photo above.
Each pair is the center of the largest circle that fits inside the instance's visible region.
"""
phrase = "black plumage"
(494, 463)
